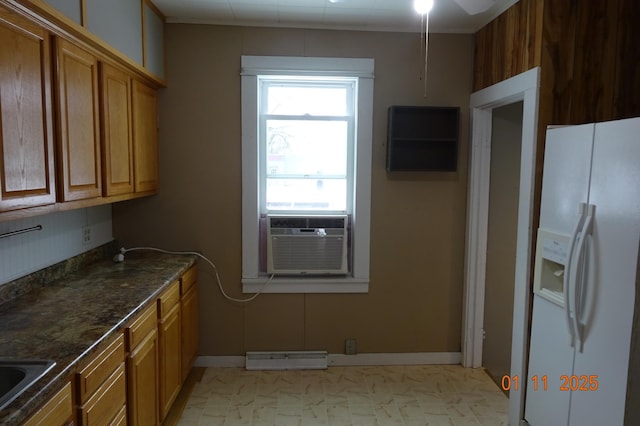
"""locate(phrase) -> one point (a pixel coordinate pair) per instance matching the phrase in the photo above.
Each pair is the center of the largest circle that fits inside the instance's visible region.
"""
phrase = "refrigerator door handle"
(578, 277)
(568, 272)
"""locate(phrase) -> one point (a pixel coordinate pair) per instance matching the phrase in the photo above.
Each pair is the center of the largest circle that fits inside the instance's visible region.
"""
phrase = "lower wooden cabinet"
(106, 405)
(57, 411)
(142, 368)
(169, 331)
(101, 386)
(190, 319)
(121, 418)
(136, 377)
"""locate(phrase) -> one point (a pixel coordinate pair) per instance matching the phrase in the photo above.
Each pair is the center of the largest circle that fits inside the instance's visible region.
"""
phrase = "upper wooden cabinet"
(129, 130)
(75, 124)
(145, 137)
(78, 122)
(116, 130)
(26, 120)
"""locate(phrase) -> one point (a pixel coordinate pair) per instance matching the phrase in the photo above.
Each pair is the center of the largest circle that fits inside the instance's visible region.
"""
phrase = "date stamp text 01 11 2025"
(567, 383)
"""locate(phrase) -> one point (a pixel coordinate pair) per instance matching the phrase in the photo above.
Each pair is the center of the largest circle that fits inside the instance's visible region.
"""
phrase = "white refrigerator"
(585, 275)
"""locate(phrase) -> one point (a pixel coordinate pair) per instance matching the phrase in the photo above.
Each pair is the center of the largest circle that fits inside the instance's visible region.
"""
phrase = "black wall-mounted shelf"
(422, 138)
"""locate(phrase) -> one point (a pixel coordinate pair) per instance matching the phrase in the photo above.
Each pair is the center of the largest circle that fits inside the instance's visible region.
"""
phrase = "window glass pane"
(300, 100)
(302, 147)
(306, 194)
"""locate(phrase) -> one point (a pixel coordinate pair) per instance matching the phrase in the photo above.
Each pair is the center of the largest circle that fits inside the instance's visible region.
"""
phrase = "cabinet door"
(116, 130)
(190, 329)
(105, 405)
(97, 370)
(145, 137)
(121, 418)
(79, 138)
(170, 363)
(610, 286)
(26, 118)
(57, 411)
(142, 374)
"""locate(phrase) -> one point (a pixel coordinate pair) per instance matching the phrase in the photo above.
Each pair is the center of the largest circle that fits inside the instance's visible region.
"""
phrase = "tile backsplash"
(63, 235)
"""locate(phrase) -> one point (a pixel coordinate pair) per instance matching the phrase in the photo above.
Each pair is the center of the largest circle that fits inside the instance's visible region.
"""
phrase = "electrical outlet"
(350, 346)
(86, 235)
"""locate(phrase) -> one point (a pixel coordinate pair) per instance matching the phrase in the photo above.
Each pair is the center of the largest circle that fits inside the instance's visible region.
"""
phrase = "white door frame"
(523, 87)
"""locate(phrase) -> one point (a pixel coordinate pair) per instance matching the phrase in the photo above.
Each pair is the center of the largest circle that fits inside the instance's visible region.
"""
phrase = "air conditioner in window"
(307, 245)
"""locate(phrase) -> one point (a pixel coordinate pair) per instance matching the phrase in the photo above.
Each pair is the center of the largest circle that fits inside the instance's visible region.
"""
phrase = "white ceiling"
(368, 15)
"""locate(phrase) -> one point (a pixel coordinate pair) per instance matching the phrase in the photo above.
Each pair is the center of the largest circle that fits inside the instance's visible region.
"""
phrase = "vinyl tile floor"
(390, 395)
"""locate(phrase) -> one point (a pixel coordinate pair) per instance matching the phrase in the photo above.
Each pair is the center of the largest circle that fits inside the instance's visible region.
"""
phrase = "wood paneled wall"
(587, 51)
(627, 85)
(509, 45)
(588, 54)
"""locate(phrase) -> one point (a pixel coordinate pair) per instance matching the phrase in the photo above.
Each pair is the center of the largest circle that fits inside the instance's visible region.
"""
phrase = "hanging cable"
(422, 47)
(120, 258)
(423, 7)
(426, 49)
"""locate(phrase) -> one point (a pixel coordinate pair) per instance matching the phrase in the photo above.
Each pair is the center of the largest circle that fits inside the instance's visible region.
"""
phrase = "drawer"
(57, 411)
(121, 418)
(100, 368)
(168, 299)
(188, 279)
(107, 402)
(144, 324)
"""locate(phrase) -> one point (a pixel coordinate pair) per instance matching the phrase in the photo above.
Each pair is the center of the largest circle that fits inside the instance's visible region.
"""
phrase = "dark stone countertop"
(68, 319)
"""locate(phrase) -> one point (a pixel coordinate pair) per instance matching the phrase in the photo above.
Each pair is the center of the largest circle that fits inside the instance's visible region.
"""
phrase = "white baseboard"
(287, 360)
(417, 358)
(340, 360)
(219, 361)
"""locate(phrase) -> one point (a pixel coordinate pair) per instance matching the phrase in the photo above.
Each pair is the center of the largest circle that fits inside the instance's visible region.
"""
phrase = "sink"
(17, 375)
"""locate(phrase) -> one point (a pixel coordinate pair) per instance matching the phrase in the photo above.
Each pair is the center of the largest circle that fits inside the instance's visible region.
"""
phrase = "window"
(306, 149)
(306, 131)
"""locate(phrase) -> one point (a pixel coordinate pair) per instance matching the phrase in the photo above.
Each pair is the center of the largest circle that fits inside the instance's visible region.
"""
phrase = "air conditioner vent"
(307, 245)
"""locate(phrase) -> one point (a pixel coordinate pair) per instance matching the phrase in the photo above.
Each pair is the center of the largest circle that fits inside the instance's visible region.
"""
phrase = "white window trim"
(252, 66)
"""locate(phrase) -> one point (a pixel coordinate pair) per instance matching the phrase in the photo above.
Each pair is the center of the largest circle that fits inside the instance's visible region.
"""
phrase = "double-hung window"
(306, 136)
(306, 150)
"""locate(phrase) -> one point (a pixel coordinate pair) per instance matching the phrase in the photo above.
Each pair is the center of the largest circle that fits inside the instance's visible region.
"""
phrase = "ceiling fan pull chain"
(426, 49)
(423, 7)
(421, 51)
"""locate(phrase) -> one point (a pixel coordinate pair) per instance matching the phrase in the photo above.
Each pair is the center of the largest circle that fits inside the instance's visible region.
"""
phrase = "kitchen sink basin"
(17, 375)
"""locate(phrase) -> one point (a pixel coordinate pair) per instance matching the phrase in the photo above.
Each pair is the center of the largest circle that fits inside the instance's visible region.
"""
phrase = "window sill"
(306, 285)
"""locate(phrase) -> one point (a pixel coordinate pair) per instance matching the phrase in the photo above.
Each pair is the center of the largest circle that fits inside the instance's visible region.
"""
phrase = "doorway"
(524, 87)
(504, 189)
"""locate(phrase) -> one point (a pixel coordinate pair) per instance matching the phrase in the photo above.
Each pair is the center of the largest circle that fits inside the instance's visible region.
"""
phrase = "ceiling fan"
(472, 7)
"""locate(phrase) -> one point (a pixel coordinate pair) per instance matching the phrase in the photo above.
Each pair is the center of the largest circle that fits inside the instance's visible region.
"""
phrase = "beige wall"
(506, 142)
(418, 220)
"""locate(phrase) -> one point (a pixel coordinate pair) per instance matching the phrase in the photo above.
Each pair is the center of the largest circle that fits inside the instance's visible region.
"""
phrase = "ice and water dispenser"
(551, 258)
